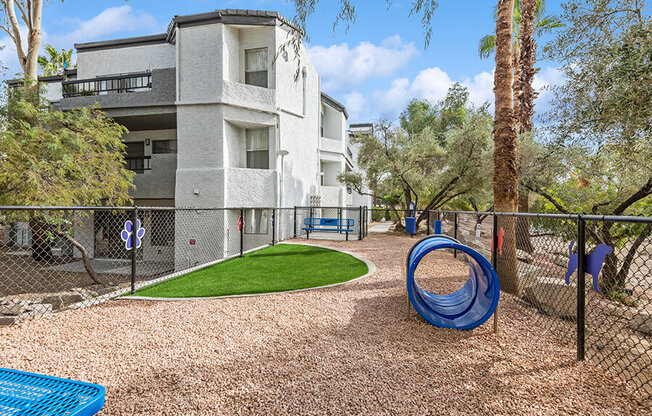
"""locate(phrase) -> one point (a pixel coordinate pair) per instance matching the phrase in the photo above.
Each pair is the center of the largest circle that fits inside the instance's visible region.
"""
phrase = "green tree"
(427, 168)
(30, 12)
(55, 62)
(54, 158)
(600, 123)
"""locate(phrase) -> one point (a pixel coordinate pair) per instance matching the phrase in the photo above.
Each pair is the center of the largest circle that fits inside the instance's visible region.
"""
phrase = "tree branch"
(637, 196)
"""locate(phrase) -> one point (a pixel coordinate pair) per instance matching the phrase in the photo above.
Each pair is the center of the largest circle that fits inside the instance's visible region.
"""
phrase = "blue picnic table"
(28, 394)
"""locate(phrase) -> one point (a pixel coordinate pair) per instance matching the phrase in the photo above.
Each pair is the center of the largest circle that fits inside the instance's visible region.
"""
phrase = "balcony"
(105, 85)
(331, 145)
(144, 89)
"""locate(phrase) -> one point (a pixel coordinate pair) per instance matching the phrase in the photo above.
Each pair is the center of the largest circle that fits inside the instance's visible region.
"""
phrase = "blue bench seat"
(338, 225)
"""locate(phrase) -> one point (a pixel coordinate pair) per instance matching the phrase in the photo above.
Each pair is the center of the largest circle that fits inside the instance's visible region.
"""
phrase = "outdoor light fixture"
(146, 142)
(283, 153)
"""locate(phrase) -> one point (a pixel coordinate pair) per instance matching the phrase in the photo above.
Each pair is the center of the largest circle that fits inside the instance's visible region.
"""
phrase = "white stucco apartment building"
(217, 115)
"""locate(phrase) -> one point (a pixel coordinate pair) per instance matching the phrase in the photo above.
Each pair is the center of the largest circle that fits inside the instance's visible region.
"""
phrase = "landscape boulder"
(642, 321)
(552, 296)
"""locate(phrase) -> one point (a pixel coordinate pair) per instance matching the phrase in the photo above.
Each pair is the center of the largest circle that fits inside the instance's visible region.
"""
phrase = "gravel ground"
(342, 350)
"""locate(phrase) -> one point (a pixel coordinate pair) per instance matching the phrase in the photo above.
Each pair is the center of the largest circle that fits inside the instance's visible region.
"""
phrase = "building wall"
(299, 129)
(91, 64)
(200, 64)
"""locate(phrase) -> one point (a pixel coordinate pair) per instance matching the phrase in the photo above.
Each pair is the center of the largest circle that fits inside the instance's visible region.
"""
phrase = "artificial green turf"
(272, 269)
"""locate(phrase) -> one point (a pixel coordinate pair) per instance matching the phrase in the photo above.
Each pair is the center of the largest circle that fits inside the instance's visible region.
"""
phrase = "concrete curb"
(371, 269)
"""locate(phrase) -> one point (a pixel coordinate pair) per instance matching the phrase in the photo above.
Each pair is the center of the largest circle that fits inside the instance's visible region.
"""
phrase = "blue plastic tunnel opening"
(465, 309)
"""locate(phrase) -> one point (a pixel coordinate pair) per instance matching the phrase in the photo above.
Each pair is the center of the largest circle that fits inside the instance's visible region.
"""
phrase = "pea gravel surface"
(348, 349)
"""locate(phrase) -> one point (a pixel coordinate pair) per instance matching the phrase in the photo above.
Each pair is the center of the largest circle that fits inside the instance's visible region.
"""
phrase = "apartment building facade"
(219, 114)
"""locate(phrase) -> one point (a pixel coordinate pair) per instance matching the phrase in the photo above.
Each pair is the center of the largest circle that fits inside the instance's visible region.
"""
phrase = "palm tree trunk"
(505, 173)
(516, 85)
(527, 60)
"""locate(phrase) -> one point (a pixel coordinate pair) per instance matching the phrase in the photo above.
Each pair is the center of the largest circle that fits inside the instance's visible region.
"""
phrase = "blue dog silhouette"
(593, 262)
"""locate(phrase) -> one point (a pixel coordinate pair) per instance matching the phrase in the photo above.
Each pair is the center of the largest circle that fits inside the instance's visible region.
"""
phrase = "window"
(256, 221)
(258, 149)
(321, 121)
(164, 146)
(256, 67)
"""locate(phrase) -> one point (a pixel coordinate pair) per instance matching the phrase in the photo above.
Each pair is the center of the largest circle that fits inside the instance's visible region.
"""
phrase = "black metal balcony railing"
(138, 164)
(349, 152)
(105, 85)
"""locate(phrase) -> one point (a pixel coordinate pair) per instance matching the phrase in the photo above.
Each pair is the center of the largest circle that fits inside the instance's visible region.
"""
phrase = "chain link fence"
(53, 259)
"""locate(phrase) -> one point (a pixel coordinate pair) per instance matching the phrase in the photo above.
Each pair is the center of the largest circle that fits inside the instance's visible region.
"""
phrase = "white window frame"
(249, 149)
(258, 70)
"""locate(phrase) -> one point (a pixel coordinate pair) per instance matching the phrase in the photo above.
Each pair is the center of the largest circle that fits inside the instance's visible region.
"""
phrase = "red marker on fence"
(501, 235)
(240, 223)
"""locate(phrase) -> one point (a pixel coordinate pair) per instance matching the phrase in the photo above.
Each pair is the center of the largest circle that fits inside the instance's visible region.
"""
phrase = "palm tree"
(55, 62)
(543, 24)
(505, 172)
(528, 20)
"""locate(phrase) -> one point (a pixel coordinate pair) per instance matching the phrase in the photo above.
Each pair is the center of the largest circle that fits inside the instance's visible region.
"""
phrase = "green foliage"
(55, 62)
(439, 152)
(51, 157)
(606, 51)
(544, 24)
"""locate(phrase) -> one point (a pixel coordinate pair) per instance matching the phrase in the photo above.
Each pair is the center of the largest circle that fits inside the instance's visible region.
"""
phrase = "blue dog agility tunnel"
(465, 309)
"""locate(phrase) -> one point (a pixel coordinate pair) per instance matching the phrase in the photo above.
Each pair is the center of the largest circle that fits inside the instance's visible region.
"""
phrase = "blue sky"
(374, 68)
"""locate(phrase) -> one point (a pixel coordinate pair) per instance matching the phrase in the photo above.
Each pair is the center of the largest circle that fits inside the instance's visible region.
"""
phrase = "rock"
(9, 320)
(642, 321)
(71, 298)
(524, 256)
(552, 296)
(101, 291)
(527, 273)
(38, 310)
(558, 259)
(14, 308)
(54, 301)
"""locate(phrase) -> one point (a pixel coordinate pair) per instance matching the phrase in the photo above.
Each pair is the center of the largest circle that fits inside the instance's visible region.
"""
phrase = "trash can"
(411, 225)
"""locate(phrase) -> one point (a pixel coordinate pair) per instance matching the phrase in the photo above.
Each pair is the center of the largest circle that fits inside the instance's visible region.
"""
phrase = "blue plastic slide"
(467, 308)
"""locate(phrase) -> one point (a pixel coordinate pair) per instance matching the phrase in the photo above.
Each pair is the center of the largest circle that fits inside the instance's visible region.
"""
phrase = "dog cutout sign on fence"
(594, 262)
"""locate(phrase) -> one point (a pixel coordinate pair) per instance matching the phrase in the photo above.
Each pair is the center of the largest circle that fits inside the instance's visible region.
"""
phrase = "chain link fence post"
(295, 222)
(242, 226)
(494, 258)
(428, 222)
(134, 247)
(360, 223)
(455, 232)
(273, 226)
(581, 275)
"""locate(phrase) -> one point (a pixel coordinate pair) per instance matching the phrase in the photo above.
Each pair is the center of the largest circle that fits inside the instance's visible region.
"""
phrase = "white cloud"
(342, 67)
(433, 84)
(543, 80)
(110, 21)
(356, 104)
